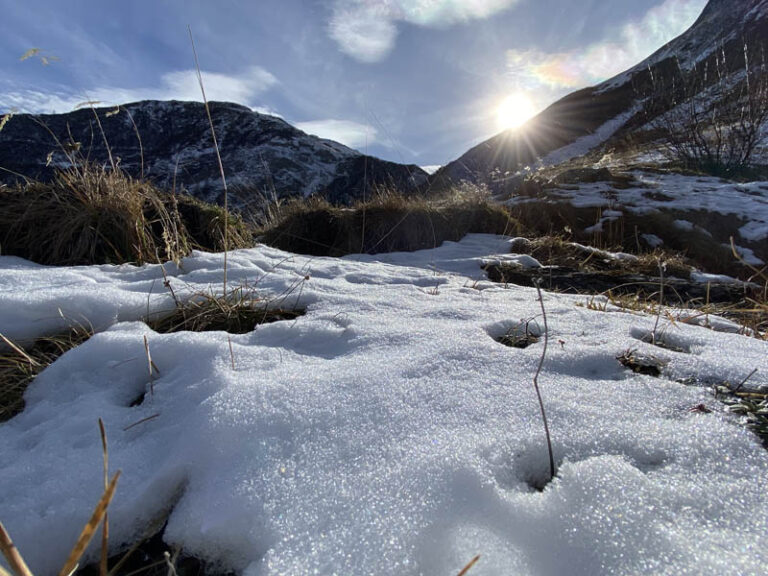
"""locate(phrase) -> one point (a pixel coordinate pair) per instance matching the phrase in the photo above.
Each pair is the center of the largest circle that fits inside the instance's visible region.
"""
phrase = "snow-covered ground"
(385, 431)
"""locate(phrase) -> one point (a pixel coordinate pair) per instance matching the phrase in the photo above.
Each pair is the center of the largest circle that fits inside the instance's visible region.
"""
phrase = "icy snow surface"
(384, 432)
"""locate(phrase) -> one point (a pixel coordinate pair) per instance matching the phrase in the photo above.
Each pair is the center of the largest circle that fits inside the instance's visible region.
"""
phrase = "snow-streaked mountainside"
(718, 208)
(262, 154)
(603, 115)
(386, 431)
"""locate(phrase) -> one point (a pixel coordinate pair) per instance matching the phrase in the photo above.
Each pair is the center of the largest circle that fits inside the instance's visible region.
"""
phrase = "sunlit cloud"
(352, 134)
(179, 85)
(367, 29)
(601, 60)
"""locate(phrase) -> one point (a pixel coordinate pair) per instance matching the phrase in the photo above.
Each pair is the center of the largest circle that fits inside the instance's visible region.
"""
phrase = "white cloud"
(610, 56)
(432, 168)
(243, 88)
(366, 33)
(352, 134)
(367, 29)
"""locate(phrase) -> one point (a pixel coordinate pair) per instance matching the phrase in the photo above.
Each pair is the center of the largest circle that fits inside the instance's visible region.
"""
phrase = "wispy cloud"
(603, 59)
(367, 29)
(242, 88)
(352, 134)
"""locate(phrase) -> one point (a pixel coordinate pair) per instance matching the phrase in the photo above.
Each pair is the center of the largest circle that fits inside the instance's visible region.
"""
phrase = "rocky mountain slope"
(610, 114)
(170, 143)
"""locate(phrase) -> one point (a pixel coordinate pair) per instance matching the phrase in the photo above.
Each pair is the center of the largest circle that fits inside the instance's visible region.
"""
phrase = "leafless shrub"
(712, 117)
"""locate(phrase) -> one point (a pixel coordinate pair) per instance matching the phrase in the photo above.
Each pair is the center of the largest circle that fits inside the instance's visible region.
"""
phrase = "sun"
(514, 111)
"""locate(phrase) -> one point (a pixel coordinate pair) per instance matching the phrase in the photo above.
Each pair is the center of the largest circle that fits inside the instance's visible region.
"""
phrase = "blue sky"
(417, 81)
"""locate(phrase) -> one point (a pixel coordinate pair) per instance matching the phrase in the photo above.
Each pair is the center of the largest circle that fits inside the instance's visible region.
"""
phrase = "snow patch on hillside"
(591, 141)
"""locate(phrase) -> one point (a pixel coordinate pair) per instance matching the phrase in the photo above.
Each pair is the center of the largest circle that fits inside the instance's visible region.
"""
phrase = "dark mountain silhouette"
(262, 155)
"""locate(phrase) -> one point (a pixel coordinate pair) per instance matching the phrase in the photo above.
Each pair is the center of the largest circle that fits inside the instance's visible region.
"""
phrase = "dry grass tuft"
(205, 224)
(88, 215)
(94, 215)
(19, 366)
(239, 312)
(389, 222)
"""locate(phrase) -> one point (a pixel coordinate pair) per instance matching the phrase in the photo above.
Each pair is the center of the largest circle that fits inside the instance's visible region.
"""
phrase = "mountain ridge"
(723, 26)
(169, 142)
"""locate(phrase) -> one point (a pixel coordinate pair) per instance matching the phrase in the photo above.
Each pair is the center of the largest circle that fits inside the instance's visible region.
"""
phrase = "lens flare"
(514, 111)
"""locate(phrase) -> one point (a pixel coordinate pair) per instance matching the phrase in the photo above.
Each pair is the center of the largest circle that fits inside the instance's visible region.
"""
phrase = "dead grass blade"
(469, 566)
(20, 352)
(103, 564)
(90, 528)
(218, 155)
(147, 419)
(151, 366)
(12, 555)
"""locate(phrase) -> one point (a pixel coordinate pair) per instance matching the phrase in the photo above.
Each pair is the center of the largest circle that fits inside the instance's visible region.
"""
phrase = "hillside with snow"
(615, 115)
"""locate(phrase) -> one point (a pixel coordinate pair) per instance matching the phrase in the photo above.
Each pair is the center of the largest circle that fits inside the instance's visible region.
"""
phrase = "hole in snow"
(520, 335)
(149, 559)
(640, 363)
(525, 469)
(147, 555)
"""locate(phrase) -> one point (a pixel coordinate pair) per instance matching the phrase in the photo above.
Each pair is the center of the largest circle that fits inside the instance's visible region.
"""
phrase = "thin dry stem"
(103, 564)
(150, 364)
(661, 301)
(739, 387)
(536, 383)
(90, 528)
(468, 566)
(147, 419)
(218, 154)
(12, 555)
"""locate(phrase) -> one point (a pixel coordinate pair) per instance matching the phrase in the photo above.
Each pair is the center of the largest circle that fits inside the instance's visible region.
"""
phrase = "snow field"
(385, 431)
